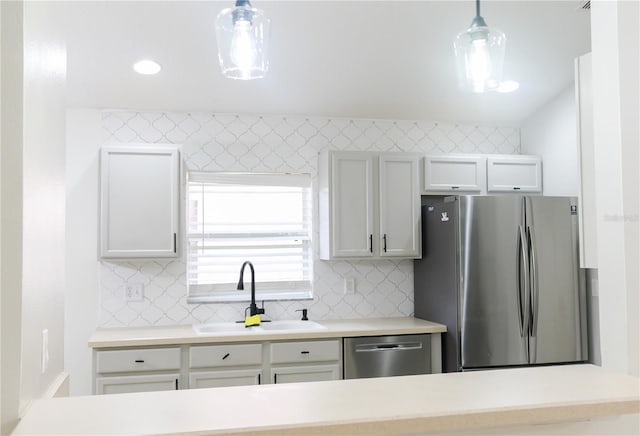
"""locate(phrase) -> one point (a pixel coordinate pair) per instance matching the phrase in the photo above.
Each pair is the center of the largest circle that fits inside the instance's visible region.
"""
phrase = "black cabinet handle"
(455, 187)
(259, 379)
(225, 356)
(175, 243)
(275, 378)
(304, 352)
(516, 188)
(371, 243)
(176, 384)
(139, 361)
(384, 239)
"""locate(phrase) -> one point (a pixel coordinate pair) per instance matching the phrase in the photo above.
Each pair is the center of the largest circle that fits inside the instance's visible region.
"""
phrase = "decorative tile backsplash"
(223, 142)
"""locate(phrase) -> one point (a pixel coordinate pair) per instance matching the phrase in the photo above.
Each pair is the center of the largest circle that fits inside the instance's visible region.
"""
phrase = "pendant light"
(243, 41)
(479, 55)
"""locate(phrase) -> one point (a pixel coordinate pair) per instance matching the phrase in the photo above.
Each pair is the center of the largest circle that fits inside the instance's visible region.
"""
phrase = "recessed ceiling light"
(508, 86)
(146, 67)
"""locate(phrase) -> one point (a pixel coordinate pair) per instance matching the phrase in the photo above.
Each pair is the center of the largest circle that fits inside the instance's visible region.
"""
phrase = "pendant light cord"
(477, 8)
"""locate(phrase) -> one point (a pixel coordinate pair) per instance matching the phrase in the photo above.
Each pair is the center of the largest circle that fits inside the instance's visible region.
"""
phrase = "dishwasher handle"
(365, 348)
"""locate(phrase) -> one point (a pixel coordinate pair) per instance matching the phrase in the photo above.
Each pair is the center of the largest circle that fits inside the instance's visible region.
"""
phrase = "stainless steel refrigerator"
(503, 274)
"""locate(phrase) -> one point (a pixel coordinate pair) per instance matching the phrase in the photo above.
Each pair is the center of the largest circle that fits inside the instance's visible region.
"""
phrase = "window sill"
(245, 297)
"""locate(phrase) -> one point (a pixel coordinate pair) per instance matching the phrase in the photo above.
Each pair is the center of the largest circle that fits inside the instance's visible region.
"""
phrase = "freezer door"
(492, 306)
(557, 321)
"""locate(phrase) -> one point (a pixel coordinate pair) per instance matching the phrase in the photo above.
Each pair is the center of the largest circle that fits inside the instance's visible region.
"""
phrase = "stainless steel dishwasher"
(386, 356)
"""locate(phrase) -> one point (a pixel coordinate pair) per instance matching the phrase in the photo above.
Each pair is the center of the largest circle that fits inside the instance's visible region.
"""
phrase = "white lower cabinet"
(137, 370)
(305, 361)
(147, 369)
(307, 373)
(226, 364)
(224, 378)
(137, 383)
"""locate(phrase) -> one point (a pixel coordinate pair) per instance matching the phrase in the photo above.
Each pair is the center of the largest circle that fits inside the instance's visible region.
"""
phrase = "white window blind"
(263, 218)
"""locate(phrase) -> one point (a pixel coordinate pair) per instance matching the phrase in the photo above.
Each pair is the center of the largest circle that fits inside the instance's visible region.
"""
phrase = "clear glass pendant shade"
(243, 42)
(480, 56)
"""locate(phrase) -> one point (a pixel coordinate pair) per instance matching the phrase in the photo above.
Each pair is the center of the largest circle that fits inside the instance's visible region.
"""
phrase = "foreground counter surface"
(394, 405)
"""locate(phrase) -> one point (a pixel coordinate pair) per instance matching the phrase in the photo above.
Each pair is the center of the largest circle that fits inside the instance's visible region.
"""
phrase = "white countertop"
(184, 334)
(409, 404)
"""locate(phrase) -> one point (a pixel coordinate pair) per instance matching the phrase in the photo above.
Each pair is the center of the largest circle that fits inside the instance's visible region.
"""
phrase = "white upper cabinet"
(514, 173)
(445, 174)
(346, 204)
(366, 200)
(399, 205)
(139, 187)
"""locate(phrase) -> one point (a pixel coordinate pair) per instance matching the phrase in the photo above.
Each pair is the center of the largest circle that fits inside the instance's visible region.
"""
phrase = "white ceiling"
(368, 59)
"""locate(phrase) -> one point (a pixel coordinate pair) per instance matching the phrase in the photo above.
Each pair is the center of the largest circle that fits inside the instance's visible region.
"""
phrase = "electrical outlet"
(44, 352)
(349, 285)
(134, 292)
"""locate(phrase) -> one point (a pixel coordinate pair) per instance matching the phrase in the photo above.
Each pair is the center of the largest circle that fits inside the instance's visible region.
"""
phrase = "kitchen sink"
(273, 326)
(219, 327)
(291, 325)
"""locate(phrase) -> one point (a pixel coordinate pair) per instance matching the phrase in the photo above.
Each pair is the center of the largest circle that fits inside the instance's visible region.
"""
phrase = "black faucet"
(253, 308)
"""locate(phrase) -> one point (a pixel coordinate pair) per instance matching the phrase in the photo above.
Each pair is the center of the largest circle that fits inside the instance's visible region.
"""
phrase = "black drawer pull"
(225, 356)
(516, 188)
(304, 352)
(139, 361)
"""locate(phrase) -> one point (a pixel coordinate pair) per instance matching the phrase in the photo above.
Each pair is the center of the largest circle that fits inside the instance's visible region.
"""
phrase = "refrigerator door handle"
(533, 292)
(521, 255)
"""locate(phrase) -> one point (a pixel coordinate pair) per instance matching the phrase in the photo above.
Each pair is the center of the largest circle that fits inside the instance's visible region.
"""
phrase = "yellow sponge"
(251, 321)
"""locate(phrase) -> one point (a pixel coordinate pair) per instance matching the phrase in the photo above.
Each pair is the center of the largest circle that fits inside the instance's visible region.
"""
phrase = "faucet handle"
(304, 314)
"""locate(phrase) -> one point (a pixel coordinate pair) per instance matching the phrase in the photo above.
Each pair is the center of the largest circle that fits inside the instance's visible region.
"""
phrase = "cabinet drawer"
(225, 355)
(150, 359)
(307, 351)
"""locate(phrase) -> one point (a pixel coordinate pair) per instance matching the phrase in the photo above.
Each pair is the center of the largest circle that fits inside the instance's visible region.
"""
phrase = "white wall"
(11, 217)
(616, 112)
(222, 142)
(43, 236)
(551, 133)
(33, 141)
(82, 266)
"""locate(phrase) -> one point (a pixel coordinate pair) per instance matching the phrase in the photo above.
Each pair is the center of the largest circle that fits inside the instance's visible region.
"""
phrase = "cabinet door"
(139, 201)
(296, 374)
(454, 174)
(399, 206)
(351, 185)
(218, 379)
(514, 174)
(137, 383)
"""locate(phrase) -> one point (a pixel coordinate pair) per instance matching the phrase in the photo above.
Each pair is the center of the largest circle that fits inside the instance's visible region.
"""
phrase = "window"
(263, 218)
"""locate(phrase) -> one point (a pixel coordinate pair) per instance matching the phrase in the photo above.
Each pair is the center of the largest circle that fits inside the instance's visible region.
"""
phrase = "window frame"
(266, 291)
